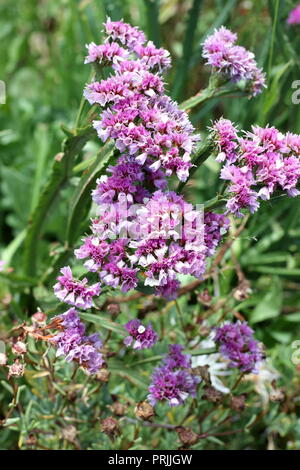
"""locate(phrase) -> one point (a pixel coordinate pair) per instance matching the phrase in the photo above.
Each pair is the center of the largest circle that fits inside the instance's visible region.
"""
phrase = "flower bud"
(144, 411)
(204, 297)
(212, 395)
(16, 369)
(187, 436)
(114, 310)
(103, 375)
(39, 319)
(238, 402)
(110, 427)
(118, 408)
(277, 395)
(19, 348)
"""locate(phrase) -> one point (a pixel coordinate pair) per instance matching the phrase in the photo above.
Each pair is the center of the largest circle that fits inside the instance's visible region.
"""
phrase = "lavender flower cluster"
(135, 113)
(144, 234)
(173, 381)
(234, 62)
(237, 344)
(72, 342)
(257, 164)
(164, 237)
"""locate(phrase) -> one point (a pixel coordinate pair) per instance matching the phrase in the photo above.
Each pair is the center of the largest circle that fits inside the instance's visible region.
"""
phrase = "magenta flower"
(129, 36)
(216, 226)
(237, 344)
(142, 337)
(108, 53)
(294, 16)
(225, 137)
(72, 343)
(176, 358)
(152, 57)
(74, 292)
(172, 381)
(242, 194)
(233, 61)
(136, 114)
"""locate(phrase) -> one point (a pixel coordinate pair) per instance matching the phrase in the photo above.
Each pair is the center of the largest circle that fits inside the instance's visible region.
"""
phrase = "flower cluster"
(136, 114)
(72, 342)
(75, 292)
(257, 164)
(129, 180)
(160, 240)
(173, 381)
(235, 62)
(142, 337)
(236, 343)
(294, 16)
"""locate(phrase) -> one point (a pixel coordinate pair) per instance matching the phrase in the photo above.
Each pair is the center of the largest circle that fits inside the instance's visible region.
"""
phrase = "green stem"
(274, 26)
(180, 316)
(201, 352)
(209, 93)
(188, 47)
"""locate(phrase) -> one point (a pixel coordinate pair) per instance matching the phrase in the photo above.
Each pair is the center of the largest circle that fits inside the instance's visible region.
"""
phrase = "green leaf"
(278, 271)
(61, 171)
(187, 54)
(118, 367)
(103, 322)
(10, 421)
(152, 16)
(270, 305)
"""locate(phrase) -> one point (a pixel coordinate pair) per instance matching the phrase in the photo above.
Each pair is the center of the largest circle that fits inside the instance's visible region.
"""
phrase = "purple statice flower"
(75, 292)
(119, 275)
(176, 359)
(154, 131)
(216, 225)
(95, 250)
(294, 16)
(242, 194)
(168, 241)
(174, 386)
(72, 343)
(172, 381)
(264, 158)
(87, 356)
(2, 265)
(269, 174)
(237, 343)
(129, 179)
(169, 290)
(142, 337)
(125, 85)
(136, 114)
(292, 143)
(107, 53)
(129, 36)
(235, 62)
(269, 139)
(152, 57)
(224, 135)
(290, 176)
